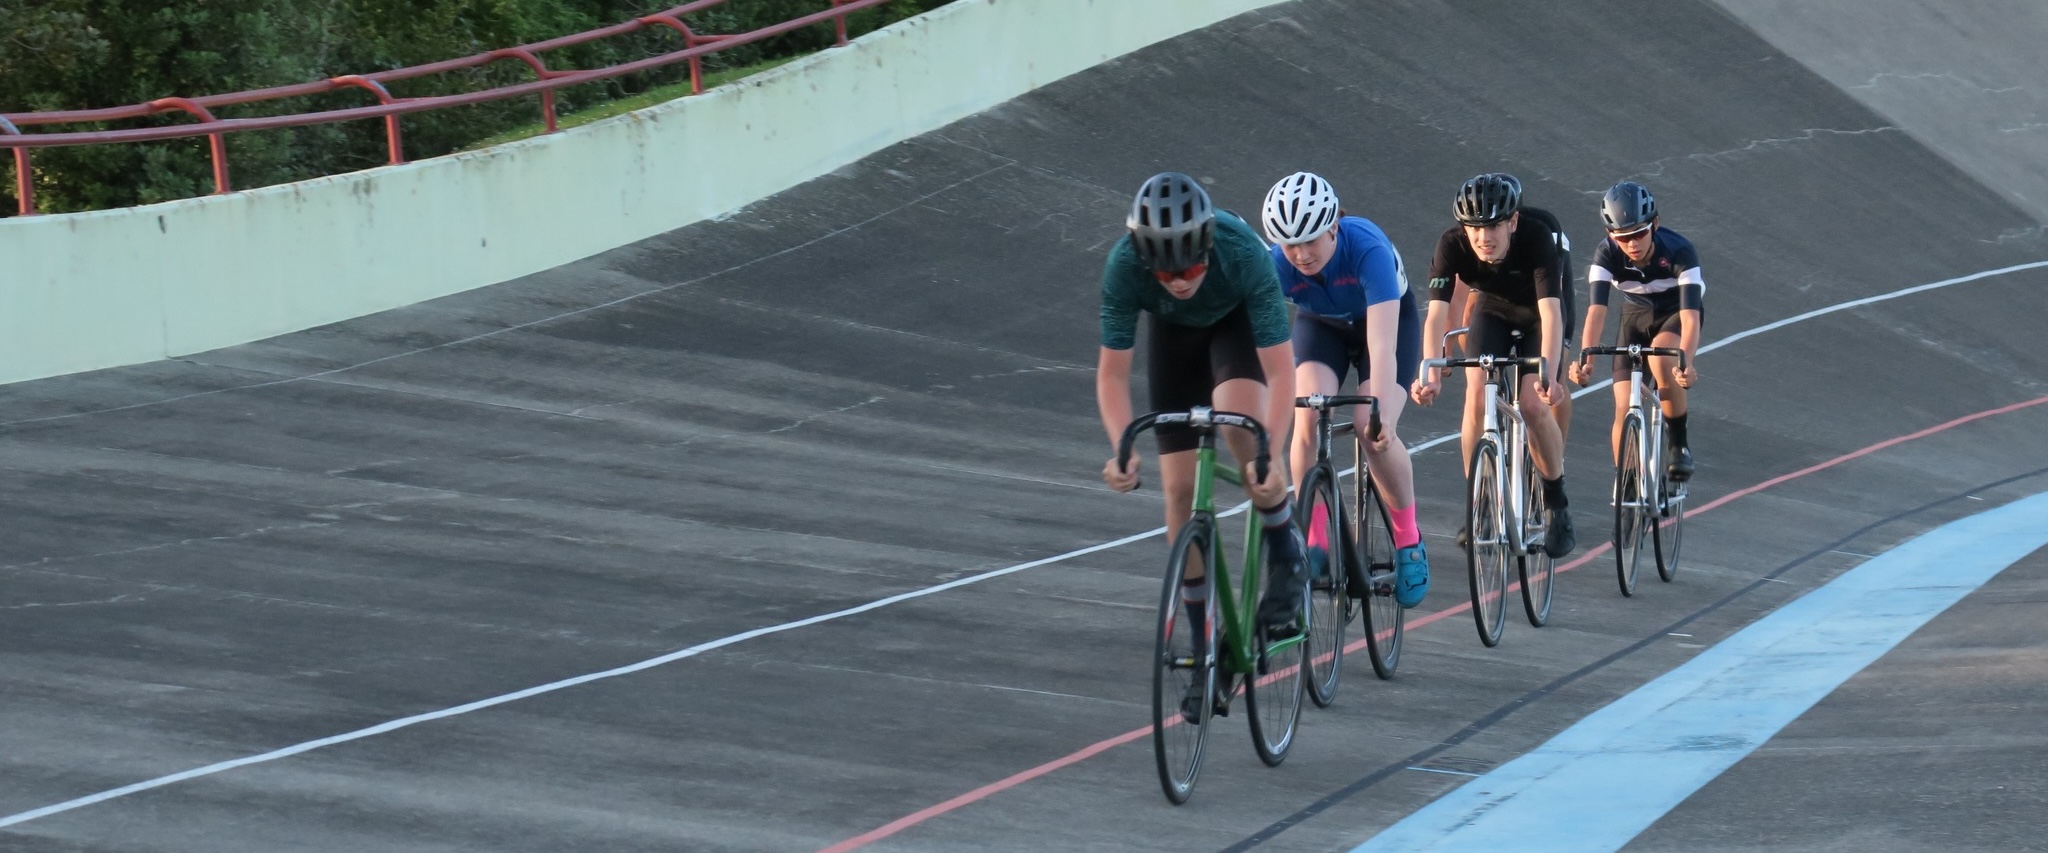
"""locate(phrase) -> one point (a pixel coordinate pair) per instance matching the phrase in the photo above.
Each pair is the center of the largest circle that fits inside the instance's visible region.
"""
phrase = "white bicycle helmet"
(1299, 208)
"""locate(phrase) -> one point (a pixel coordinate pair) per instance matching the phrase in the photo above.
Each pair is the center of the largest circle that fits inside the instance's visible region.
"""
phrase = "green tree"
(81, 54)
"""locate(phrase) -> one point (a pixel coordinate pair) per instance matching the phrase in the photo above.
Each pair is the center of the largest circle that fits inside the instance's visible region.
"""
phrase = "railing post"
(392, 139)
(24, 180)
(690, 40)
(540, 69)
(839, 23)
(220, 147)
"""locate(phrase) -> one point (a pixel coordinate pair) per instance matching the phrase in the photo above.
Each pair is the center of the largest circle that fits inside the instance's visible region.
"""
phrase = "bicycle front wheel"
(1384, 617)
(1631, 505)
(1318, 510)
(1183, 665)
(1535, 566)
(1487, 560)
(1278, 682)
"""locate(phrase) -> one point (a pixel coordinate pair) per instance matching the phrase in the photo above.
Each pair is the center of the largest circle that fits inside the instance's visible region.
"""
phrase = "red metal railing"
(695, 47)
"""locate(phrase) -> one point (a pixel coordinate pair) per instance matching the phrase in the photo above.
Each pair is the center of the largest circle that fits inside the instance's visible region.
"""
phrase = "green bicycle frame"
(1236, 627)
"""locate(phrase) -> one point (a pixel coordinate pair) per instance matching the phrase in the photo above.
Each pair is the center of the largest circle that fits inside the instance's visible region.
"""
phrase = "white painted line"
(1600, 783)
(693, 651)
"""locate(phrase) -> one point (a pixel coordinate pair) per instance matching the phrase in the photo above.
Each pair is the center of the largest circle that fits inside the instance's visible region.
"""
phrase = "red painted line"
(1090, 751)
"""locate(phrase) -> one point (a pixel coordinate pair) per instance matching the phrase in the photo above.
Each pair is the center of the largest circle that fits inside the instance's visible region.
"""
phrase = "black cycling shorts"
(1183, 366)
(1340, 346)
(1641, 324)
(1495, 325)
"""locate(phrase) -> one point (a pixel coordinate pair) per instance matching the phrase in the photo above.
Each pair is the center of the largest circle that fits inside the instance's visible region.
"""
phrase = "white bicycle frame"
(1647, 405)
(1511, 472)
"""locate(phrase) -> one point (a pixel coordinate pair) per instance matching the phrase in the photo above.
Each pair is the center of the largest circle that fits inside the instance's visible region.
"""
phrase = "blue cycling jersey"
(1365, 270)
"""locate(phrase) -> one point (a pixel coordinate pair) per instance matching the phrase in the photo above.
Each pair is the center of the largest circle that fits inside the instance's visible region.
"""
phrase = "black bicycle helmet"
(1627, 207)
(1488, 198)
(1172, 222)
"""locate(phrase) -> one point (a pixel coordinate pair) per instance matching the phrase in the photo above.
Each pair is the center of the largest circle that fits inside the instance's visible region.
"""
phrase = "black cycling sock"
(1553, 493)
(1676, 425)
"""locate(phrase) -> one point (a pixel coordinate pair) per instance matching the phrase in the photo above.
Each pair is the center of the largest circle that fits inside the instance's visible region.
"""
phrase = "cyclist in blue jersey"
(1354, 311)
(1217, 336)
(1658, 274)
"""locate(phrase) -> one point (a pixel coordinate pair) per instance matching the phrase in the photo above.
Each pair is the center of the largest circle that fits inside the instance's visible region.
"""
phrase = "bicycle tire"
(1669, 530)
(1328, 598)
(1278, 682)
(1629, 510)
(1487, 560)
(1177, 746)
(1384, 619)
(1536, 568)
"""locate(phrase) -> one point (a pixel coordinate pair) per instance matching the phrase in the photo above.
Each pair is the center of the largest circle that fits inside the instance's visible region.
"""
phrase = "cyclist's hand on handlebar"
(1581, 372)
(1687, 375)
(1120, 479)
(1386, 438)
(1551, 393)
(1267, 492)
(1425, 391)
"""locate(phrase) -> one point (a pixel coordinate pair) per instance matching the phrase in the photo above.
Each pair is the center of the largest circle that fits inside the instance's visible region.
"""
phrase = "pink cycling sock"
(1406, 534)
(1318, 532)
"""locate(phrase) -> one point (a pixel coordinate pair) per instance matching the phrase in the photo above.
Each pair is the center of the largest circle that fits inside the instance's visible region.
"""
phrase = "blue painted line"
(1600, 783)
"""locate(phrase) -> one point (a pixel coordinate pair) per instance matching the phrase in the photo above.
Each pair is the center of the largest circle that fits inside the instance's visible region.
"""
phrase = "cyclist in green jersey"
(1217, 335)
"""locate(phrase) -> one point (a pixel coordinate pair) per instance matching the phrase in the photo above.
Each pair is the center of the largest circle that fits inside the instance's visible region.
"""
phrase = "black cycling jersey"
(1529, 272)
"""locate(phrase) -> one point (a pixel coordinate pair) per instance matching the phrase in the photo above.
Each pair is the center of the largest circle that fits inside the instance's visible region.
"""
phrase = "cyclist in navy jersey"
(1353, 311)
(1216, 336)
(1663, 293)
(1511, 264)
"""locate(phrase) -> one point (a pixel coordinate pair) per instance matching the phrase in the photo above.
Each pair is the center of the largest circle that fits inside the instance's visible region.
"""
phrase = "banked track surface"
(880, 381)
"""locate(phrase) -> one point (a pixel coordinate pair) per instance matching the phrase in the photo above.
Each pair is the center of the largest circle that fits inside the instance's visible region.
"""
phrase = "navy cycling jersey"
(1526, 274)
(1363, 271)
(1668, 281)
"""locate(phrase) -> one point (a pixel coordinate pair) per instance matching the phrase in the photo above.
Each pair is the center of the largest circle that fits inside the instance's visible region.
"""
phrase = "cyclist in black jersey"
(1217, 336)
(1510, 262)
(1464, 304)
(1658, 274)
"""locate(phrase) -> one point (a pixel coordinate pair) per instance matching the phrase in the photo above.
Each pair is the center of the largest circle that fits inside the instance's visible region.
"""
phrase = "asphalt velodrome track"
(349, 589)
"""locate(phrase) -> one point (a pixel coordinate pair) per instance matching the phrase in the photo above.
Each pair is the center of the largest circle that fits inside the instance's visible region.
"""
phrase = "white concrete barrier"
(92, 290)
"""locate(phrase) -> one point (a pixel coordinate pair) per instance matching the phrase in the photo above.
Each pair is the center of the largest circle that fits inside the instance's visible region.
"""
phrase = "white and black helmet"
(1627, 206)
(1299, 208)
(1172, 222)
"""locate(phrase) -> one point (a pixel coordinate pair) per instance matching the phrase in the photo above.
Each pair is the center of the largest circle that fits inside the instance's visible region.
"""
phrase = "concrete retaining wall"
(93, 290)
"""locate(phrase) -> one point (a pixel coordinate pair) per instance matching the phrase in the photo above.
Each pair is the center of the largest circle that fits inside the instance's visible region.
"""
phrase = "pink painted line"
(1090, 751)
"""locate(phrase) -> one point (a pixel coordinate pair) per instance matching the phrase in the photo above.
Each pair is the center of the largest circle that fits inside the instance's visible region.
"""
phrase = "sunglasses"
(1630, 236)
(1189, 274)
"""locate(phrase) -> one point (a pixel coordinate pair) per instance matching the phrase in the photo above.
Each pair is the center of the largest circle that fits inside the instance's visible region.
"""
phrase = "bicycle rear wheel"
(1328, 601)
(1384, 618)
(1670, 530)
(1630, 506)
(1535, 567)
(1183, 656)
(1278, 682)
(1487, 560)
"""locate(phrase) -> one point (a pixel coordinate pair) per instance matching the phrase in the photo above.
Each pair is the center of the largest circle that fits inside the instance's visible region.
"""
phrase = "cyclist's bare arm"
(1689, 340)
(1113, 402)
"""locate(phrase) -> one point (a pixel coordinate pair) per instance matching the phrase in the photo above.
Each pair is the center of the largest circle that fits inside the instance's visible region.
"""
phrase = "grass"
(608, 109)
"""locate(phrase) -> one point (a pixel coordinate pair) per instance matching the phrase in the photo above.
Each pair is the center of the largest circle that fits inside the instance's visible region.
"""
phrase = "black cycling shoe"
(1558, 541)
(1191, 704)
(1681, 465)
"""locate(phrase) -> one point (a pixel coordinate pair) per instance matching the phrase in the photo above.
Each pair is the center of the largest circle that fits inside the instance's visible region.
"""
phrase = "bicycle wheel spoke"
(1384, 618)
(1487, 559)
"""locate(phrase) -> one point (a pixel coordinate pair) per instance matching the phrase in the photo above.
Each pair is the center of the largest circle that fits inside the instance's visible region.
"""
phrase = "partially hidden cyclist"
(1354, 311)
(1216, 330)
(1663, 302)
(1511, 265)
